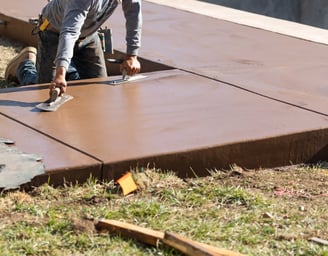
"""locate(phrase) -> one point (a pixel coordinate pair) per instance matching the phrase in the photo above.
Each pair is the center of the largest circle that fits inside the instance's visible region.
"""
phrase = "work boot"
(28, 53)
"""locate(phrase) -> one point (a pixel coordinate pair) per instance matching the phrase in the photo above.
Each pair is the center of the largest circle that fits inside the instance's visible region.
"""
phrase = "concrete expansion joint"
(244, 88)
(53, 138)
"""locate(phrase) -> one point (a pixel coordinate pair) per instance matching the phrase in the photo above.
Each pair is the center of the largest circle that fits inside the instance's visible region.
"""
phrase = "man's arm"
(74, 16)
(133, 16)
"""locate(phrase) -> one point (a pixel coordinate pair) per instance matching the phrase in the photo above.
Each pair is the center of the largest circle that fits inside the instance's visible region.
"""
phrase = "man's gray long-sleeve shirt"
(80, 18)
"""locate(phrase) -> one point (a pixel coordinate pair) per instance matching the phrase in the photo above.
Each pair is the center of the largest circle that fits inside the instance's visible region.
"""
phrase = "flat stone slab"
(62, 163)
(18, 167)
(174, 120)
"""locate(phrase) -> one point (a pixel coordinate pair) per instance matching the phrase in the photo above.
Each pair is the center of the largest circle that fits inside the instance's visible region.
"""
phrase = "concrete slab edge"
(296, 148)
(17, 30)
(284, 27)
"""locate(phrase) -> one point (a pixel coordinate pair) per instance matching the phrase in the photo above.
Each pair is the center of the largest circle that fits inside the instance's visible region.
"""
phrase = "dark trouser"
(88, 60)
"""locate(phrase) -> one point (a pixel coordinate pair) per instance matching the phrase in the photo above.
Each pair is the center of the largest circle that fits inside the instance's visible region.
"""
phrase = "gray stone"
(18, 168)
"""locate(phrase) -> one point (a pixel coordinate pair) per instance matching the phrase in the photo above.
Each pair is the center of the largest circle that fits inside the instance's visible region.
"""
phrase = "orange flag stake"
(127, 183)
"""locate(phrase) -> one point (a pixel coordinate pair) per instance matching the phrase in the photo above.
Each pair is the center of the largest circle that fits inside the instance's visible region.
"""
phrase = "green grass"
(3, 84)
(224, 210)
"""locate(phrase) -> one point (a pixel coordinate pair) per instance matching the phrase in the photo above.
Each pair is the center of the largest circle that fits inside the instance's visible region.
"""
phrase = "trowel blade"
(128, 79)
(53, 106)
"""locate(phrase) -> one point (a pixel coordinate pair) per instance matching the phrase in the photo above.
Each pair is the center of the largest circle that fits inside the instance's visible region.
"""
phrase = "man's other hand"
(131, 65)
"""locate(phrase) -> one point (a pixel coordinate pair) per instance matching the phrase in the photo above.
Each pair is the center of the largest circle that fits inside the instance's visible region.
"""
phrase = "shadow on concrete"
(17, 103)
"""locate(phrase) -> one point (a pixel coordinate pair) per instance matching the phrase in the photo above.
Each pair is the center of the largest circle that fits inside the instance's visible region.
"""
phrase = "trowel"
(125, 78)
(55, 101)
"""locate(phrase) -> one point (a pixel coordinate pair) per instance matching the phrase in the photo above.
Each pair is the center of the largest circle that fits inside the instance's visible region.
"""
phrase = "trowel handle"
(54, 94)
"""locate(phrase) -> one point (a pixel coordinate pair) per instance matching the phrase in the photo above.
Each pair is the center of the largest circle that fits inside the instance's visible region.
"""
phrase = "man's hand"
(131, 65)
(59, 81)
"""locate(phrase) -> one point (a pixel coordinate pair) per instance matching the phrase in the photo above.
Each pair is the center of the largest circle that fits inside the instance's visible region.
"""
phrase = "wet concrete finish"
(277, 66)
(224, 104)
(172, 119)
(17, 30)
(311, 12)
(21, 9)
(61, 162)
(16, 15)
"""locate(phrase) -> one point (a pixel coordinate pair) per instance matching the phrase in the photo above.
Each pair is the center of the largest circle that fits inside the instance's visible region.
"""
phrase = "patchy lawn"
(255, 212)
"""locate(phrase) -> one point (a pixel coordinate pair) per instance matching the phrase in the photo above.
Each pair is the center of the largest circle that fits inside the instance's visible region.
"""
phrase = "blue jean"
(87, 62)
(27, 73)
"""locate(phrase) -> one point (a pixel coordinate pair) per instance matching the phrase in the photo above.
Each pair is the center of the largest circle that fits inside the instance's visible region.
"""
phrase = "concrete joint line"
(244, 88)
(53, 138)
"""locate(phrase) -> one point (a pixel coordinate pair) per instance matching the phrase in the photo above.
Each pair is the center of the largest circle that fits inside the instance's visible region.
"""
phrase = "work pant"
(88, 60)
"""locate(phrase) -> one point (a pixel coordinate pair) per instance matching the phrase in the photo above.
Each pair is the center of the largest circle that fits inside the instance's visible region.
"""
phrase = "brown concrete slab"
(61, 162)
(267, 63)
(14, 24)
(181, 121)
(277, 66)
(15, 17)
(21, 9)
(176, 121)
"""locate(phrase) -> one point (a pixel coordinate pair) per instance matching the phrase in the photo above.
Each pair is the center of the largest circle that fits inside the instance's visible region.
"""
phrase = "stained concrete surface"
(171, 114)
(16, 15)
(237, 96)
(310, 12)
(274, 65)
(60, 160)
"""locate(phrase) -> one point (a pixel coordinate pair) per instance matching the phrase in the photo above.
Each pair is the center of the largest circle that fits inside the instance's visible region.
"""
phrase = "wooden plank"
(319, 241)
(191, 248)
(144, 235)
(152, 237)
